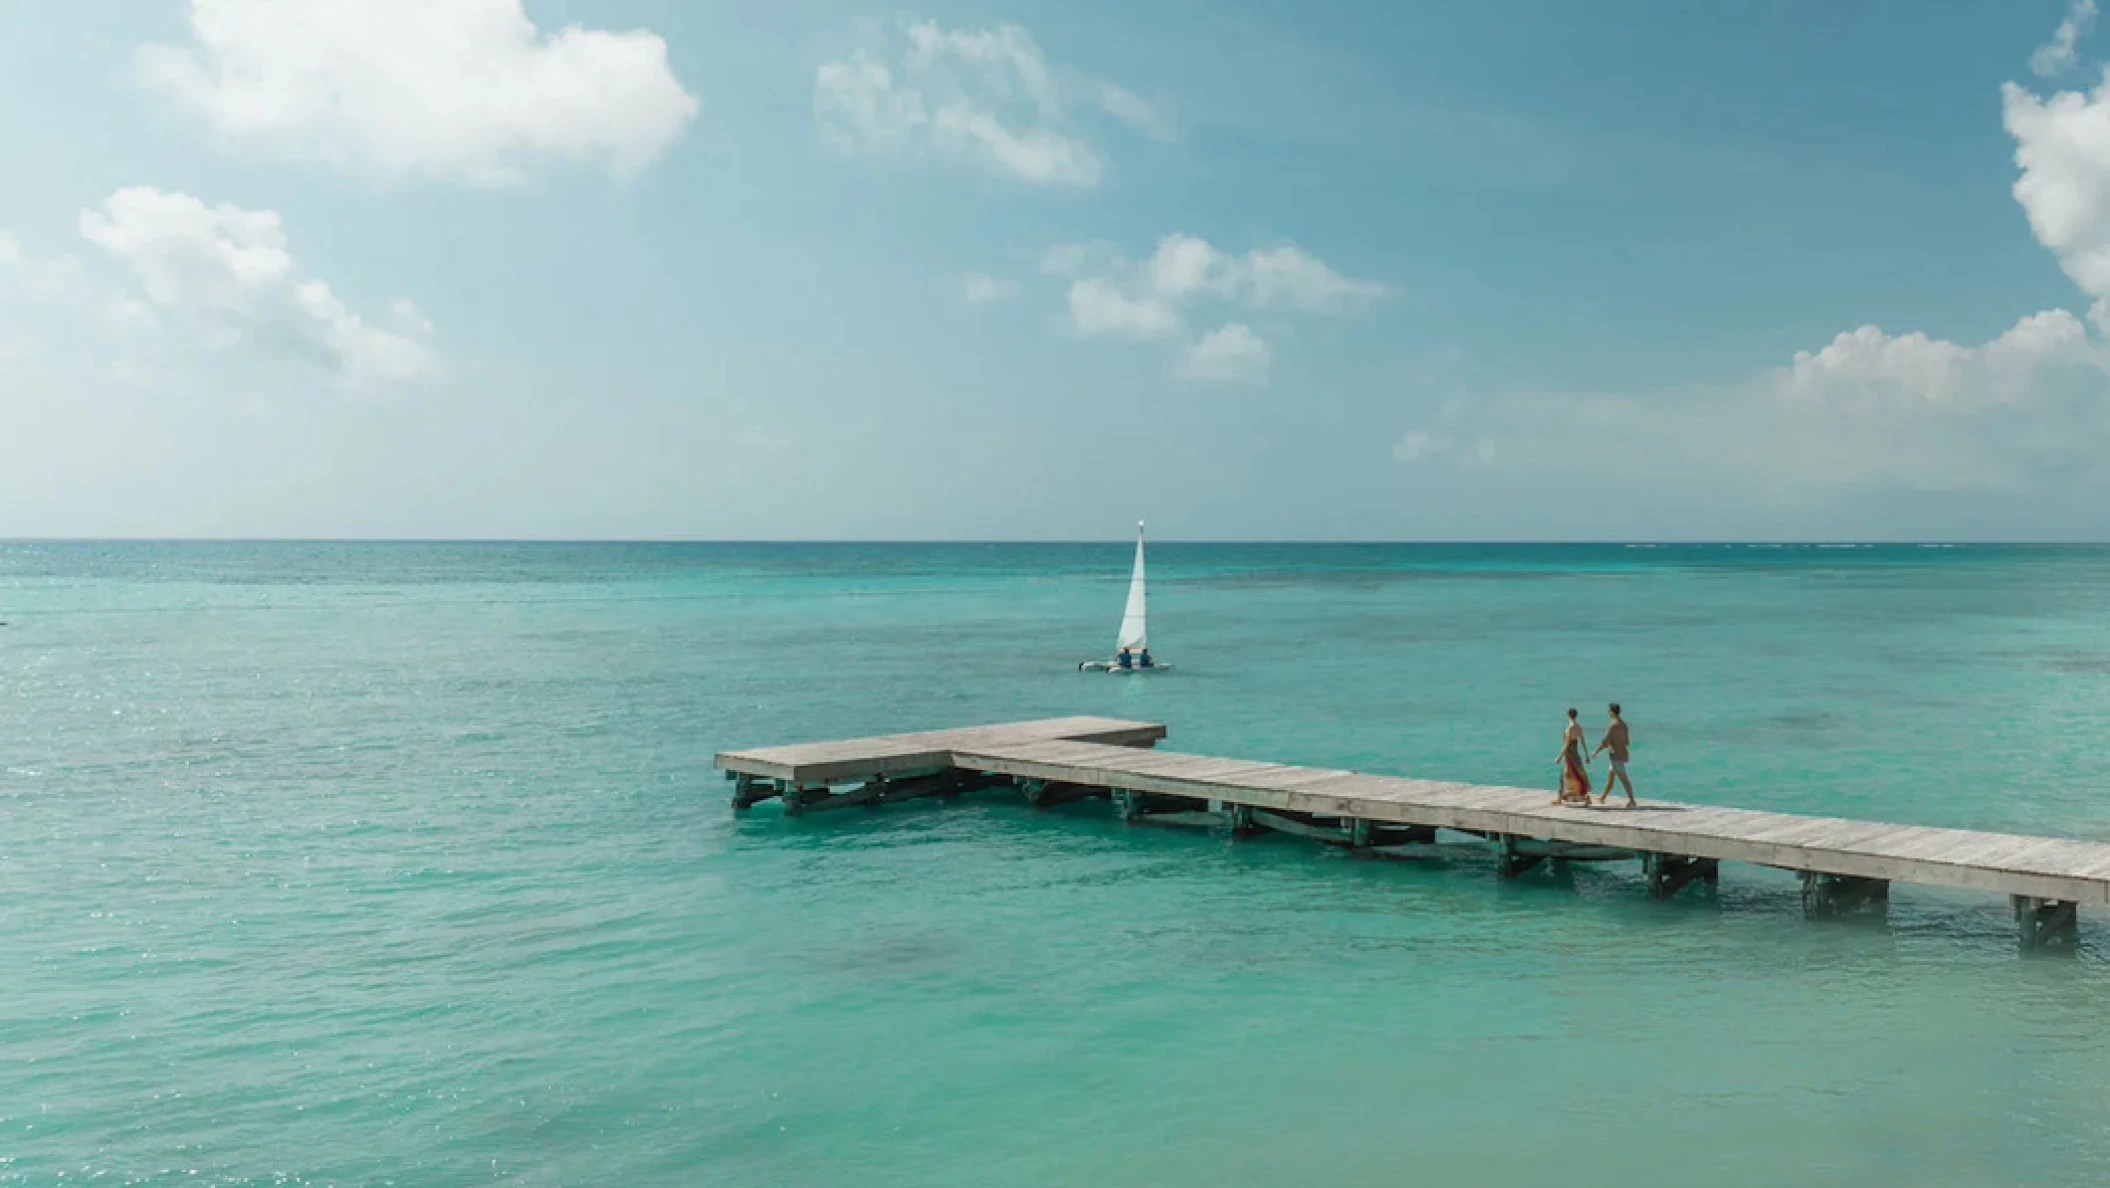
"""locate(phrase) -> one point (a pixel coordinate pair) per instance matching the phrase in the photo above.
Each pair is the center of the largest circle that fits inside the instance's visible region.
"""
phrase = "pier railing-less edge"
(1846, 866)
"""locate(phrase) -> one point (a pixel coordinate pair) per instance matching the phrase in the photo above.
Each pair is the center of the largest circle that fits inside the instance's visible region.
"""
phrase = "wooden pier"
(1846, 866)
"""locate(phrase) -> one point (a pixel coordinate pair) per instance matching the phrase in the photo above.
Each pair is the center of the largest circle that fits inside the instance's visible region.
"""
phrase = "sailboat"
(1132, 646)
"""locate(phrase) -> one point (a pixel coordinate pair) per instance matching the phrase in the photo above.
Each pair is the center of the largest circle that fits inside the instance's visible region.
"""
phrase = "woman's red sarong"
(1575, 778)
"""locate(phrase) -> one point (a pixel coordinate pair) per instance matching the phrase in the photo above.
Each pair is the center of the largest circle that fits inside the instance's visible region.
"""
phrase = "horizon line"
(1671, 542)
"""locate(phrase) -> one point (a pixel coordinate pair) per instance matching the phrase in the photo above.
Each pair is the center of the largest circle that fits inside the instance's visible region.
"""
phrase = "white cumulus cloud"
(986, 96)
(229, 274)
(1231, 353)
(395, 89)
(1868, 371)
(2062, 145)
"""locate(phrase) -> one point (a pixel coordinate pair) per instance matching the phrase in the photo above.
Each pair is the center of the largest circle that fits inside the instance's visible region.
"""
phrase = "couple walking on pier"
(1575, 766)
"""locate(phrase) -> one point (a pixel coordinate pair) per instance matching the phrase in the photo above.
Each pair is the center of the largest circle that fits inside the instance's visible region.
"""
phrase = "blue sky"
(628, 268)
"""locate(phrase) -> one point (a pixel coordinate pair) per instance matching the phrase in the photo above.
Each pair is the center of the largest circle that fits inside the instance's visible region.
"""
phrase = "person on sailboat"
(1144, 662)
(1124, 660)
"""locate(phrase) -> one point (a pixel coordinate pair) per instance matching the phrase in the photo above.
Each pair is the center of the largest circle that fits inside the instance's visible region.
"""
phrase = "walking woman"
(1575, 771)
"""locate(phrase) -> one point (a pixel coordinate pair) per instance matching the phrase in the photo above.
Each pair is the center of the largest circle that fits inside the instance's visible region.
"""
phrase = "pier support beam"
(1150, 808)
(1515, 854)
(1319, 829)
(1363, 836)
(1394, 841)
(750, 790)
(881, 790)
(1667, 873)
(1402, 841)
(1049, 793)
(2046, 925)
(1356, 833)
(1828, 896)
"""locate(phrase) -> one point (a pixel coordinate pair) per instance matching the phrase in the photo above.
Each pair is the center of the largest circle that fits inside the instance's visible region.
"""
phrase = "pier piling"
(1829, 896)
(2046, 925)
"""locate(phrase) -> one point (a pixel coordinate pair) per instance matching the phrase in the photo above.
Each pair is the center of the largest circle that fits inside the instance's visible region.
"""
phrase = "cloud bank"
(1867, 410)
(2022, 413)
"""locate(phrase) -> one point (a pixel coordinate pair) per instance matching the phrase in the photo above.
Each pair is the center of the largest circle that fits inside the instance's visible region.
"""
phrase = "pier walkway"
(1846, 866)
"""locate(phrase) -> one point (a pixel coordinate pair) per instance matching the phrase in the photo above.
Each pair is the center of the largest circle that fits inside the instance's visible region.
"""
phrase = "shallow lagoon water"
(339, 863)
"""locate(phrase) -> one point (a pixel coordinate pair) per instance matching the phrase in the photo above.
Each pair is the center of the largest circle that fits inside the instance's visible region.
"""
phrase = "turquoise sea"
(405, 864)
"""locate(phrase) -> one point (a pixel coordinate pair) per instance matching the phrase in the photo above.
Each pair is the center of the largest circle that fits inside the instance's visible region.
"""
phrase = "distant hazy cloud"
(988, 290)
(1230, 353)
(41, 278)
(1101, 307)
(985, 96)
(1287, 278)
(1184, 268)
(2058, 55)
(393, 89)
(228, 275)
(1109, 296)
(1423, 446)
(1418, 445)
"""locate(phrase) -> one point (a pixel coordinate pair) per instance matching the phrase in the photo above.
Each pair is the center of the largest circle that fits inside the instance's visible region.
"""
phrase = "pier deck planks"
(2046, 868)
(1112, 753)
(897, 754)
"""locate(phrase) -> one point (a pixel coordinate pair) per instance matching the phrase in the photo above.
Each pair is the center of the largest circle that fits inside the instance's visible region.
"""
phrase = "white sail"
(1132, 633)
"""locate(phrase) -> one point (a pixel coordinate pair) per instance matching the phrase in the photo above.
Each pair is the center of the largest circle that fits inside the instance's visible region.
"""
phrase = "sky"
(1247, 269)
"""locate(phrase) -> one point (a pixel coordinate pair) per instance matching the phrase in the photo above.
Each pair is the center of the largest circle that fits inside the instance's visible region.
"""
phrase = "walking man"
(1615, 740)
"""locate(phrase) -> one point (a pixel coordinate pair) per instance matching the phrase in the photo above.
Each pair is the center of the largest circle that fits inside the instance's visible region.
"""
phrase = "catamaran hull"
(1117, 670)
